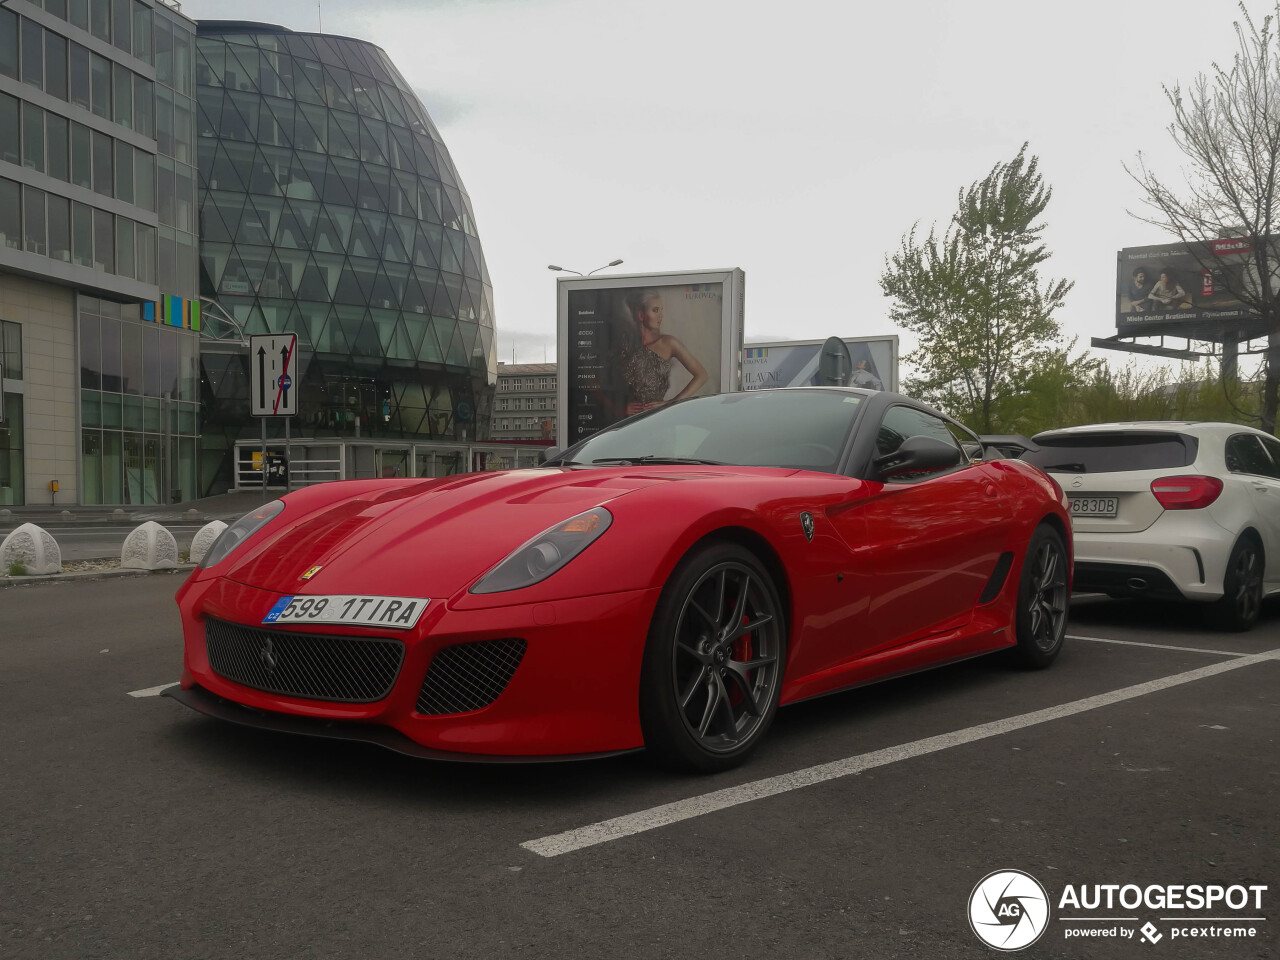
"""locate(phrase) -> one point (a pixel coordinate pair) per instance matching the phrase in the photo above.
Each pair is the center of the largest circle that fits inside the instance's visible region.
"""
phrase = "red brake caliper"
(741, 653)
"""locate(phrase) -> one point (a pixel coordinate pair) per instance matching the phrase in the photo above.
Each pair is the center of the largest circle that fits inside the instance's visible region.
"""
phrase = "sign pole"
(288, 458)
(263, 421)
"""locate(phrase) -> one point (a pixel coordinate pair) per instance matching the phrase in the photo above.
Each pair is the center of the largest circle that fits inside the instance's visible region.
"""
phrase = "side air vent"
(469, 676)
(998, 577)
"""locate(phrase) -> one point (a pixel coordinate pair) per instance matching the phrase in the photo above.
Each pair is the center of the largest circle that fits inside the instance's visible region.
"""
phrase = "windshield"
(764, 428)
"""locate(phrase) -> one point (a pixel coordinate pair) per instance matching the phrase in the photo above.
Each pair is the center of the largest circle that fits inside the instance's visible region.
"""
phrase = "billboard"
(1185, 289)
(629, 343)
(794, 363)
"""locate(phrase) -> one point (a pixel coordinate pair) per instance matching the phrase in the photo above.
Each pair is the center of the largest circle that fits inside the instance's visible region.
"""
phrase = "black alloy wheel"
(1042, 599)
(714, 660)
(1241, 602)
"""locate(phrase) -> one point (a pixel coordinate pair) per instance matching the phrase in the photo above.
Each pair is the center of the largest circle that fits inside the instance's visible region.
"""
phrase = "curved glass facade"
(329, 207)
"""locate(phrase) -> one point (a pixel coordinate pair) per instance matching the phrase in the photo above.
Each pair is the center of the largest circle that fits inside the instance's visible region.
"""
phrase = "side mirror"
(549, 454)
(918, 454)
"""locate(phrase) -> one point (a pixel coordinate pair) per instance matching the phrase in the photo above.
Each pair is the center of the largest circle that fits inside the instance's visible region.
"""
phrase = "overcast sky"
(798, 140)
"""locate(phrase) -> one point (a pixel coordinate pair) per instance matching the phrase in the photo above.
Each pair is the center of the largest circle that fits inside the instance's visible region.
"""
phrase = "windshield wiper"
(651, 458)
(1073, 467)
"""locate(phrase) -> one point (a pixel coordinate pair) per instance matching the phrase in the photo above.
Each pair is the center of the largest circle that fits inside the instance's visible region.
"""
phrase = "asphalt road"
(135, 828)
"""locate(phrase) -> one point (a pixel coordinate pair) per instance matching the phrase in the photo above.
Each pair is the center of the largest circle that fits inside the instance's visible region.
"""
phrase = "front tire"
(714, 660)
(1041, 620)
(1241, 602)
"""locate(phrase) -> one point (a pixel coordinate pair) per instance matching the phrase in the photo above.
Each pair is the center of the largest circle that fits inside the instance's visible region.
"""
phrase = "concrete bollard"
(205, 538)
(149, 547)
(34, 548)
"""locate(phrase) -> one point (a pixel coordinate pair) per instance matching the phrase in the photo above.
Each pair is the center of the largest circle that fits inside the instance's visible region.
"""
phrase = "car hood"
(427, 538)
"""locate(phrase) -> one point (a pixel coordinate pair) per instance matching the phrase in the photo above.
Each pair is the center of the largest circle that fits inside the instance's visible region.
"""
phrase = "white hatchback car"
(1172, 510)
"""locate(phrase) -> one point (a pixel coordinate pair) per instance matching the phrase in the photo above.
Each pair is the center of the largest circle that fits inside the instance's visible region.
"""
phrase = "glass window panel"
(112, 463)
(33, 137)
(169, 365)
(183, 130)
(102, 180)
(10, 214)
(32, 54)
(11, 350)
(110, 366)
(34, 228)
(59, 228)
(123, 112)
(124, 247)
(82, 234)
(150, 409)
(104, 253)
(100, 19)
(91, 466)
(100, 85)
(57, 158)
(162, 40)
(124, 171)
(81, 156)
(79, 76)
(144, 179)
(167, 259)
(78, 13)
(90, 351)
(57, 7)
(145, 253)
(187, 419)
(144, 106)
(182, 72)
(185, 196)
(90, 408)
(55, 65)
(188, 359)
(131, 367)
(164, 120)
(10, 132)
(141, 31)
(151, 364)
(8, 43)
(122, 24)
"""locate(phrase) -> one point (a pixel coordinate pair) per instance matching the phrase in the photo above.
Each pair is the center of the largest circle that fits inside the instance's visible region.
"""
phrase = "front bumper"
(574, 693)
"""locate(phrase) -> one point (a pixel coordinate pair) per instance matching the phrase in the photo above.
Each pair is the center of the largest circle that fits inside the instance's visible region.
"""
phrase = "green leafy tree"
(974, 298)
(1227, 126)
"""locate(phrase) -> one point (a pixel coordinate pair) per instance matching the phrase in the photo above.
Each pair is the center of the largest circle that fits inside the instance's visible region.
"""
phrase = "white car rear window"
(1113, 452)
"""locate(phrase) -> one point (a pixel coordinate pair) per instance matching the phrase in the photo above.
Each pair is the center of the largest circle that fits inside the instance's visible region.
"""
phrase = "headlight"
(546, 553)
(240, 531)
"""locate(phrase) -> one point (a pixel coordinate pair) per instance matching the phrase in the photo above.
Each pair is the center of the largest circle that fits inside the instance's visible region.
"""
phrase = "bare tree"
(1227, 125)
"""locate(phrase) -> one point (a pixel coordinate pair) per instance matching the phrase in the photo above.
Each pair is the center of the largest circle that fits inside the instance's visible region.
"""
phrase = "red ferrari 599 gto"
(666, 583)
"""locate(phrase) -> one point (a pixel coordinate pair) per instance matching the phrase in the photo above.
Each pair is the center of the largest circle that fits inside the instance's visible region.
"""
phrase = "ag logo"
(1008, 910)
(806, 524)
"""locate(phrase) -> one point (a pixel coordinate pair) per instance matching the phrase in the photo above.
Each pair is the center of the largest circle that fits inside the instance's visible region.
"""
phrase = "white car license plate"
(1094, 506)
(396, 613)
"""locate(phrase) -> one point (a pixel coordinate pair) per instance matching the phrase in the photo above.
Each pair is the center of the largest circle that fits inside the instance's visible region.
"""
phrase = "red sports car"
(666, 583)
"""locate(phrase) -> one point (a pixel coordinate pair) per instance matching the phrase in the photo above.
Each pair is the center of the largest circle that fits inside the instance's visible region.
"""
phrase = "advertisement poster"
(632, 343)
(1164, 287)
(794, 363)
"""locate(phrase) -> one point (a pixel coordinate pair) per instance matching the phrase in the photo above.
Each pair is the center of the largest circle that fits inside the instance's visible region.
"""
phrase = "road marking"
(152, 691)
(669, 813)
(1161, 646)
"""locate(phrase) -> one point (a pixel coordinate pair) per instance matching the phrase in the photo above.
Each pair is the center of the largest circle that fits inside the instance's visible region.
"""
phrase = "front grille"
(305, 665)
(469, 676)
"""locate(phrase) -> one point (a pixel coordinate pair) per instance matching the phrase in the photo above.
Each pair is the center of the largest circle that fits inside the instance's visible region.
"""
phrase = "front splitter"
(210, 704)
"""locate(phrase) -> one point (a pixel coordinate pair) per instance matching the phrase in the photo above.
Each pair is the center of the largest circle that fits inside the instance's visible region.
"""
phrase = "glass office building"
(329, 208)
(98, 264)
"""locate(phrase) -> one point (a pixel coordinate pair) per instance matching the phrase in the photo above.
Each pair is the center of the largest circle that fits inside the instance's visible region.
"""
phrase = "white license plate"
(1094, 506)
(395, 613)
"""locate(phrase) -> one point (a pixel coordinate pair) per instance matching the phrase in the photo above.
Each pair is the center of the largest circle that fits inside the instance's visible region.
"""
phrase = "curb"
(75, 577)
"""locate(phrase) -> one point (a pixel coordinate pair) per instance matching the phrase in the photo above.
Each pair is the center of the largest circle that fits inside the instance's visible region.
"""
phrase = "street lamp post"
(559, 269)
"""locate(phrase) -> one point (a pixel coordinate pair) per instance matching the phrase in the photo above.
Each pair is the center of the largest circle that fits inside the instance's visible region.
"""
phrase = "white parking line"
(152, 691)
(1160, 646)
(669, 813)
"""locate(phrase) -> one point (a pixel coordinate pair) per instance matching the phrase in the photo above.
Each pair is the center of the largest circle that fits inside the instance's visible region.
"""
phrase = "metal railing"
(304, 461)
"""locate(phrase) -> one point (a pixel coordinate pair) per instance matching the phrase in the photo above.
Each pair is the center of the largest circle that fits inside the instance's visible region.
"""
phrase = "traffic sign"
(273, 368)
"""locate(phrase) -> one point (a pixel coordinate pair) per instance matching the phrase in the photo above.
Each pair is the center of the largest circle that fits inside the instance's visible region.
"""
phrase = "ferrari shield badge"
(806, 523)
(311, 572)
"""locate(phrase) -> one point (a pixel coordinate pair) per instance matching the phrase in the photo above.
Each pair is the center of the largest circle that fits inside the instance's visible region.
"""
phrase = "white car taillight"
(1186, 493)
